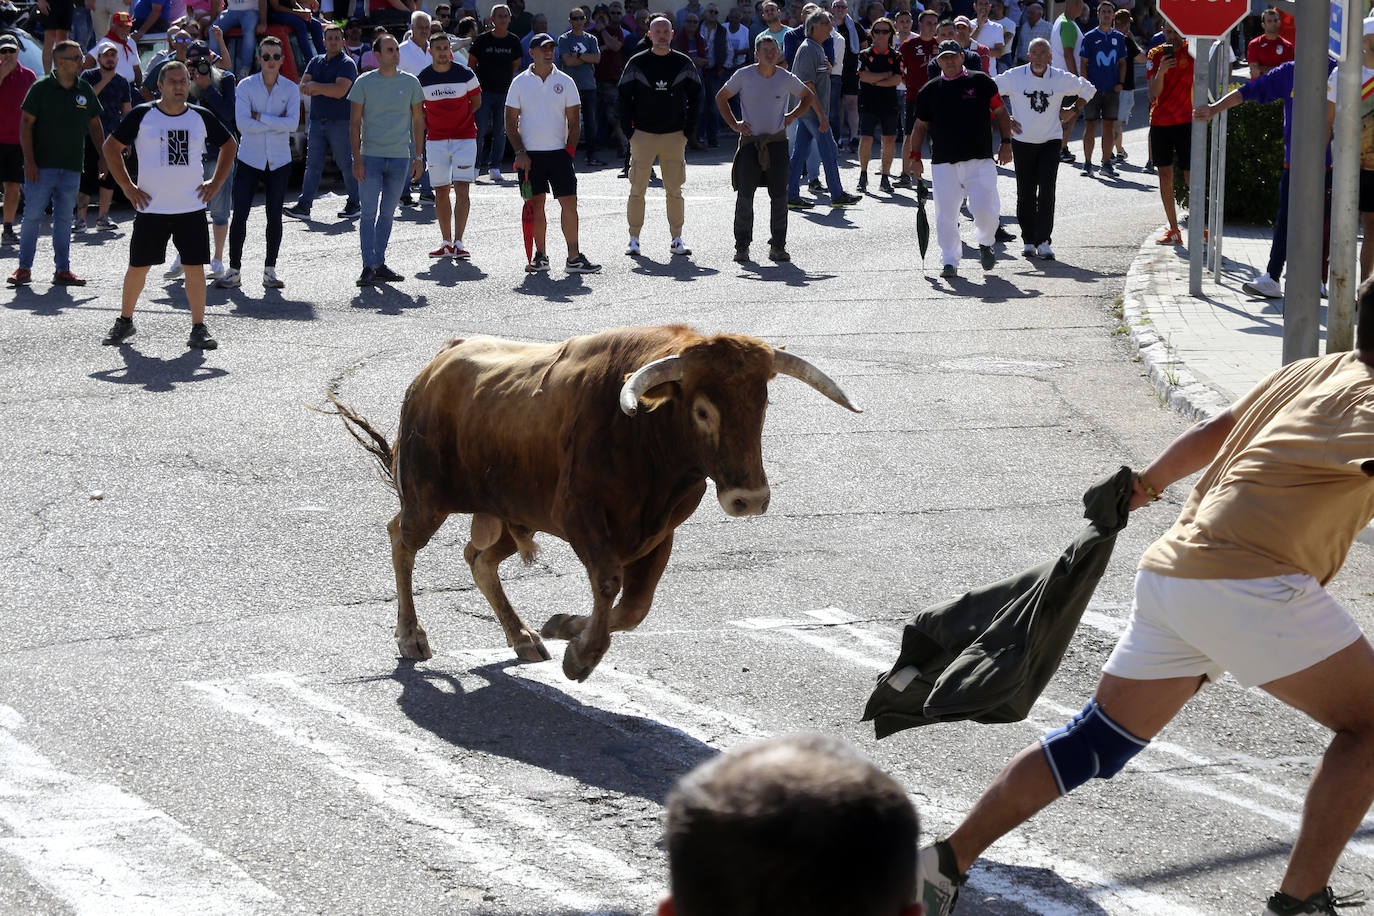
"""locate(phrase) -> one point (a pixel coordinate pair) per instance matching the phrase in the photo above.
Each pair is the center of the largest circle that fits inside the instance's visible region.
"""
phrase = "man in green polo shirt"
(58, 112)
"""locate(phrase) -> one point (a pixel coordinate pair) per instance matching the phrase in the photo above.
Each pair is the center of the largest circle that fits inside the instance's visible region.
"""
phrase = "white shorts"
(1258, 629)
(451, 160)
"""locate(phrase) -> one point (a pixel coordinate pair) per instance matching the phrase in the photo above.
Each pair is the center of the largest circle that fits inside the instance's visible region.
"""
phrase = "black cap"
(949, 46)
(541, 39)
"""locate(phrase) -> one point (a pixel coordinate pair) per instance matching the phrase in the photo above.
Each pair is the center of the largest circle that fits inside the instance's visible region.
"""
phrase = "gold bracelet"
(1149, 490)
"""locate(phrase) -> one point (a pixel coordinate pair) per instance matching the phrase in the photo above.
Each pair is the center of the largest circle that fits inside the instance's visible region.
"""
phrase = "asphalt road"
(201, 705)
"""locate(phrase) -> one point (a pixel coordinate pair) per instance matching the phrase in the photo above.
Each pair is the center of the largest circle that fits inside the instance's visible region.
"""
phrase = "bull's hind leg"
(491, 543)
(410, 531)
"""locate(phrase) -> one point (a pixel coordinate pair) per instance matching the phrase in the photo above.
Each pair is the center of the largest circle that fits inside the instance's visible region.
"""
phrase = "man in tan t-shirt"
(1237, 584)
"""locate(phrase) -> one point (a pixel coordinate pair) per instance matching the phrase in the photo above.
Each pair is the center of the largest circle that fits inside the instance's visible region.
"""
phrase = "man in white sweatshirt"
(1035, 93)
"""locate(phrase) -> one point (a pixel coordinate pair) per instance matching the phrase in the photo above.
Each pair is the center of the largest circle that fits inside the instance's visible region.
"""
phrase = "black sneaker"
(384, 274)
(987, 257)
(903, 181)
(201, 339)
(427, 196)
(351, 210)
(1087, 170)
(1282, 904)
(1066, 155)
(538, 264)
(799, 203)
(778, 253)
(367, 277)
(863, 182)
(297, 212)
(885, 185)
(1108, 171)
(845, 200)
(8, 236)
(123, 329)
(1150, 166)
(815, 187)
(742, 255)
(1002, 235)
(580, 265)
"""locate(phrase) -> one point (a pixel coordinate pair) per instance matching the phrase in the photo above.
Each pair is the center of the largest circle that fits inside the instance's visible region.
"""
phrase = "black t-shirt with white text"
(495, 60)
(958, 111)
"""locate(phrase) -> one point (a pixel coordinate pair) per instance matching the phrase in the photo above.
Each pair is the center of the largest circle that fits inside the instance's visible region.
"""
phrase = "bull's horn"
(789, 364)
(650, 375)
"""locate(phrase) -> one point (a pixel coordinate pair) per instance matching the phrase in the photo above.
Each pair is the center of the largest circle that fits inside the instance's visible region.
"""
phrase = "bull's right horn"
(650, 375)
(788, 364)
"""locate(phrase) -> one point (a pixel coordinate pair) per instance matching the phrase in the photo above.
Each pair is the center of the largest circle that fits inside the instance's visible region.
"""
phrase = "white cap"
(1369, 26)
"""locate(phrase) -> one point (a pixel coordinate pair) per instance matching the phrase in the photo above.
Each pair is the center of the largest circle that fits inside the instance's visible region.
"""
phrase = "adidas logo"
(661, 85)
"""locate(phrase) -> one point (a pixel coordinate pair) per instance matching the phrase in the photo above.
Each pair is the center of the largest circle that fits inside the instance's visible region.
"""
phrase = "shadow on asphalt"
(449, 272)
(555, 289)
(269, 304)
(785, 272)
(542, 726)
(52, 302)
(387, 300)
(153, 373)
(678, 268)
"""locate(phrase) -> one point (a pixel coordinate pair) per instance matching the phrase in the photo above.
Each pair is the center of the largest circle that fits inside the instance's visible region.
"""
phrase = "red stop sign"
(1204, 18)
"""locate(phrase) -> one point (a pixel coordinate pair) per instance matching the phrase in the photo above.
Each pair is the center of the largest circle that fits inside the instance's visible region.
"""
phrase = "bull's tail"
(367, 437)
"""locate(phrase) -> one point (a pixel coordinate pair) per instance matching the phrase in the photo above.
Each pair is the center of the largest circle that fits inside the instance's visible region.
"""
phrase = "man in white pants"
(953, 109)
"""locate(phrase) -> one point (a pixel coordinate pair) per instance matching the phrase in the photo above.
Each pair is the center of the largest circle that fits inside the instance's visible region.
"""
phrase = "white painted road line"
(106, 852)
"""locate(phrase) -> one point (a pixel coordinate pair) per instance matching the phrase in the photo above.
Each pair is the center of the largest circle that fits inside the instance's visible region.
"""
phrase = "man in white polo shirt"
(542, 109)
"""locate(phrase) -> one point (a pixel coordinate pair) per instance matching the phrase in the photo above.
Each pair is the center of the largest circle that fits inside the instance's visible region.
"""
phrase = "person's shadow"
(153, 373)
(387, 300)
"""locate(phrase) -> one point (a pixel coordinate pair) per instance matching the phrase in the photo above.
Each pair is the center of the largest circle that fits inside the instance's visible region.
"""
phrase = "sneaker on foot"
(67, 278)
(863, 182)
(494, 174)
(741, 255)
(122, 330)
(679, 247)
(949, 270)
(580, 265)
(939, 879)
(1120, 155)
(778, 253)
(174, 271)
(815, 187)
(1087, 170)
(799, 203)
(538, 264)
(1044, 251)
(200, 338)
(845, 200)
(216, 268)
(20, 277)
(903, 180)
(78, 225)
(297, 212)
(367, 277)
(270, 280)
(231, 279)
(1002, 235)
(461, 253)
(1324, 901)
(632, 247)
(1027, 250)
(885, 184)
(351, 210)
(427, 196)
(384, 274)
(1150, 165)
(444, 250)
(1108, 171)
(1263, 285)
(1066, 155)
(987, 257)
(8, 236)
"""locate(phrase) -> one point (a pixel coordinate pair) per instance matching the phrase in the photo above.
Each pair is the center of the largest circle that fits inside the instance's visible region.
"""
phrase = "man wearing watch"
(953, 109)
(387, 124)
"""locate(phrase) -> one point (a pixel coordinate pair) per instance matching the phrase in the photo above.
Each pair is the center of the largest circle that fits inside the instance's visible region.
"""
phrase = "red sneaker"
(442, 251)
(459, 252)
(20, 277)
(67, 278)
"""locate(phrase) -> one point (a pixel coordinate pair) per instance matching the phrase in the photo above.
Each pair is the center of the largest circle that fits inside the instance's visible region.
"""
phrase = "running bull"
(527, 437)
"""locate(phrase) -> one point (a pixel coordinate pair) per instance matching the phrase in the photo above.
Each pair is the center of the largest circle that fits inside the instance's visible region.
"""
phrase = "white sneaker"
(1265, 286)
(1044, 251)
(495, 174)
(632, 249)
(1027, 249)
(216, 268)
(679, 247)
(938, 890)
(270, 280)
(229, 280)
(174, 272)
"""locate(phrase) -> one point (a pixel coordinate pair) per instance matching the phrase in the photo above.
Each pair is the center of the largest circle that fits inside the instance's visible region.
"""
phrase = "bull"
(526, 438)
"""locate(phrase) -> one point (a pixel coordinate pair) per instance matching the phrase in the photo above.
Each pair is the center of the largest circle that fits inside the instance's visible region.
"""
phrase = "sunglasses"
(576, 18)
(270, 56)
(9, 50)
(882, 31)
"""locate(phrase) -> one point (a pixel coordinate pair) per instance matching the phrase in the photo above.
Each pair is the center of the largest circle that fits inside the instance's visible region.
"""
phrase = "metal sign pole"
(1197, 178)
(1221, 77)
(1306, 184)
(1345, 159)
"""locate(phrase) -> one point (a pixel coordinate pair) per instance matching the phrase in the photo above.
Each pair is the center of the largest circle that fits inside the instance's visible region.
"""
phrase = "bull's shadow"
(539, 725)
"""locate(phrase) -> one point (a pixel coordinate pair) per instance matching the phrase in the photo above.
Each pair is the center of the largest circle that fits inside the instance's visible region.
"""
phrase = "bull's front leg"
(585, 649)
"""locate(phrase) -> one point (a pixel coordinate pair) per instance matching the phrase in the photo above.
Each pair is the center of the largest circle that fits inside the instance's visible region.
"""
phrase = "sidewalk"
(1203, 354)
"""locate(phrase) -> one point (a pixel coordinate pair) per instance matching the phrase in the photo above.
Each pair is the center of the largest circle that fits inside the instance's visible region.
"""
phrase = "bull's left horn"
(650, 375)
(788, 364)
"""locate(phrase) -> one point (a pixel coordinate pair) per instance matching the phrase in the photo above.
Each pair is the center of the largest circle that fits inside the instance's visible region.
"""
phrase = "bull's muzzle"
(738, 501)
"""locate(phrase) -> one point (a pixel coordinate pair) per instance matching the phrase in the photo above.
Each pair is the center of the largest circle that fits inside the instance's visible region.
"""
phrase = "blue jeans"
(333, 136)
(379, 192)
(82, 32)
(493, 111)
(220, 204)
(60, 187)
(309, 34)
(247, 21)
(809, 132)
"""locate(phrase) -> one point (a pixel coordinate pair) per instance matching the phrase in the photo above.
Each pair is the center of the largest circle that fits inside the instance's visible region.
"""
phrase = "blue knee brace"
(1090, 746)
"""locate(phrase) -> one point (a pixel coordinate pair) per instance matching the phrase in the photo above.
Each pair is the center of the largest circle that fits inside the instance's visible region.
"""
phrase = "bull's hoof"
(563, 626)
(532, 650)
(575, 667)
(414, 644)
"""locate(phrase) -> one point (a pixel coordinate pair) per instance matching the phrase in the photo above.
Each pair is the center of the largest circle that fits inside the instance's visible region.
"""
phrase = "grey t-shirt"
(386, 102)
(764, 100)
(584, 75)
(811, 66)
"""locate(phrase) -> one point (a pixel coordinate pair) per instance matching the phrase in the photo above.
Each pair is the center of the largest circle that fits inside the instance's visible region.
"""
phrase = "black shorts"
(11, 163)
(1366, 191)
(1170, 143)
(189, 233)
(877, 121)
(552, 169)
(91, 182)
(59, 15)
(1104, 106)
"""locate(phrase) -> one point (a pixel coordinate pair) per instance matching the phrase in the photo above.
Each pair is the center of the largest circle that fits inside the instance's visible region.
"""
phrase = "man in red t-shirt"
(452, 97)
(1268, 49)
(918, 53)
(1169, 68)
(15, 80)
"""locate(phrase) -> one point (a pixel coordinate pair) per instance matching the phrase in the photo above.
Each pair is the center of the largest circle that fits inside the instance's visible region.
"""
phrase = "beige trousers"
(670, 151)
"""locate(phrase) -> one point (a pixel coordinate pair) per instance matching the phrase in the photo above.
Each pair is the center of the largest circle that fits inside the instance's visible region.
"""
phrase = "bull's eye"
(702, 415)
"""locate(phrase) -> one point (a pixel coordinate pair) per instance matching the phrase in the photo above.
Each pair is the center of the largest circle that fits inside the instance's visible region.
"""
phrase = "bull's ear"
(659, 395)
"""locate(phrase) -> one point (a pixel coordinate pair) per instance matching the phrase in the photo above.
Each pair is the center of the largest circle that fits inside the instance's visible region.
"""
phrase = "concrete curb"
(1177, 387)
